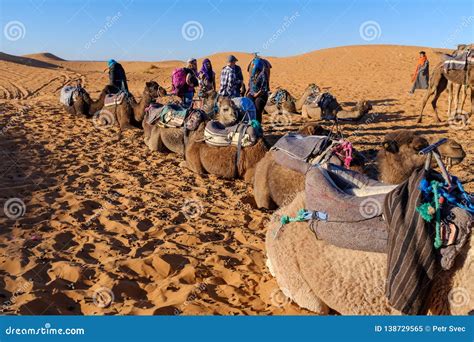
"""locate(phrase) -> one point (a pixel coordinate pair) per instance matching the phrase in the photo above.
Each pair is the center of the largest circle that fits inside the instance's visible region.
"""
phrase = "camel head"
(154, 90)
(314, 129)
(363, 107)
(400, 156)
(227, 113)
(452, 152)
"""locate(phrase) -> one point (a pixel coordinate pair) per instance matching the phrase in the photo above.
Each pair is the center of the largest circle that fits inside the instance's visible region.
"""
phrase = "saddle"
(299, 153)
(351, 205)
(216, 134)
(114, 99)
(280, 96)
(458, 61)
(65, 96)
(246, 108)
(171, 115)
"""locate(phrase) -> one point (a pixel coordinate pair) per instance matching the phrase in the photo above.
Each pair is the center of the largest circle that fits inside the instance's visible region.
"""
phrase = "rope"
(301, 215)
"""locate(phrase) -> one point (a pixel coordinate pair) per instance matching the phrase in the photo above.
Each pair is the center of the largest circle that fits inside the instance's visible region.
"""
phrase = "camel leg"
(450, 97)
(428, 94)
(261, 189)
(463, 98)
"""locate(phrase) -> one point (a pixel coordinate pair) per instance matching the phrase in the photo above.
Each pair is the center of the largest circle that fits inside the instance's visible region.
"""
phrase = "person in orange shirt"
(421, 77)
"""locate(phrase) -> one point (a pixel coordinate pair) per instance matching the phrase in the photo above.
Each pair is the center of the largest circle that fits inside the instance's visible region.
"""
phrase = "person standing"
(259, 87)
(184, 80)
(230, 80)
(421, 77)
(207, 77)
(117, 75)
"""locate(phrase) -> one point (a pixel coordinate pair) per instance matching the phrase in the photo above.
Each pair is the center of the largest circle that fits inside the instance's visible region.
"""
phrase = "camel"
(275, 185)
(311, 111)
(439, 82)
(319, 276)
(130, 112)
(170, 139)
(290, 104)
(82, 102)
(203, 158)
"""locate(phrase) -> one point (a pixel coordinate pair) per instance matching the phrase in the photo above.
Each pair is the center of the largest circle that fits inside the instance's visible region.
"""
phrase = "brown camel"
(130, 112)
(291, 105)
(319, 276)
(171, 139)
(220, 161)
(275, 185)
(439, 82)
(311, 111)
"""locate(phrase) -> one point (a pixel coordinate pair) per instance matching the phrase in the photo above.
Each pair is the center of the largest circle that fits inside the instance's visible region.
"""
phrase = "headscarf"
(421, 62)
(111, 62)
(206, 71)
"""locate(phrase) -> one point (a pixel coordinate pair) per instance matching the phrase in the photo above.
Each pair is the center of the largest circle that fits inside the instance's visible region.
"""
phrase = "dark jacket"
(117, 77)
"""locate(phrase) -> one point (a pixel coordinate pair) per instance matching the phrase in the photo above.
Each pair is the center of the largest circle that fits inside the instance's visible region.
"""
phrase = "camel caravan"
(347, 236)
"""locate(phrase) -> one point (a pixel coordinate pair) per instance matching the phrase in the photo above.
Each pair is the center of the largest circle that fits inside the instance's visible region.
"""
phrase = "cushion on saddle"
(171, 115)
(458, 61)
(280, 96)
(114, 99)
(66, 95)
(321, 100)
(353, 204)
(216, 134)
(301, 147)
(246, 107)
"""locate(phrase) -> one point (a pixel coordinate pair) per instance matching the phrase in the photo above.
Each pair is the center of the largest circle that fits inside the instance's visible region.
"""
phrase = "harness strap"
(239, 149)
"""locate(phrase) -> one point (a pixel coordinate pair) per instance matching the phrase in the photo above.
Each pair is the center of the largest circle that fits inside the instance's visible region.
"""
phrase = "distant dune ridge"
(104, 217)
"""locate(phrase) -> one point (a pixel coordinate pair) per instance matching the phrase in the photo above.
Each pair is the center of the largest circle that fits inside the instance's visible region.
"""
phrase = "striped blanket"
(412, 258)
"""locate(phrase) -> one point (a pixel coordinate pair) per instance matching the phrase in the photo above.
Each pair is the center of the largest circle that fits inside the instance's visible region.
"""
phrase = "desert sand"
(106, 218)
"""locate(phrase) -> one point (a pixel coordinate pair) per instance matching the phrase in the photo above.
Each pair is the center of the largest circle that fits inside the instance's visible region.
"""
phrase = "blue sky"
(177, 29)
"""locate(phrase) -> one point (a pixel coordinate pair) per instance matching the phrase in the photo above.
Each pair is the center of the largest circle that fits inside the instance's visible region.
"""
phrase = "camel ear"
(390, 146)
(419, 143)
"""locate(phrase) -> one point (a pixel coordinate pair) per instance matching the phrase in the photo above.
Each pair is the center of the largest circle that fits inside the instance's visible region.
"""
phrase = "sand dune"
(104, 218)
(45, 56)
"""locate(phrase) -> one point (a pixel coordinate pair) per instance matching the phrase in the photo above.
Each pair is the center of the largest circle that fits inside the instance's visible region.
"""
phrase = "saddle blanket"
(114, 99)
(171, 115)
(301, 147)
(459, 61)
(66, 95)
(216, 134)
